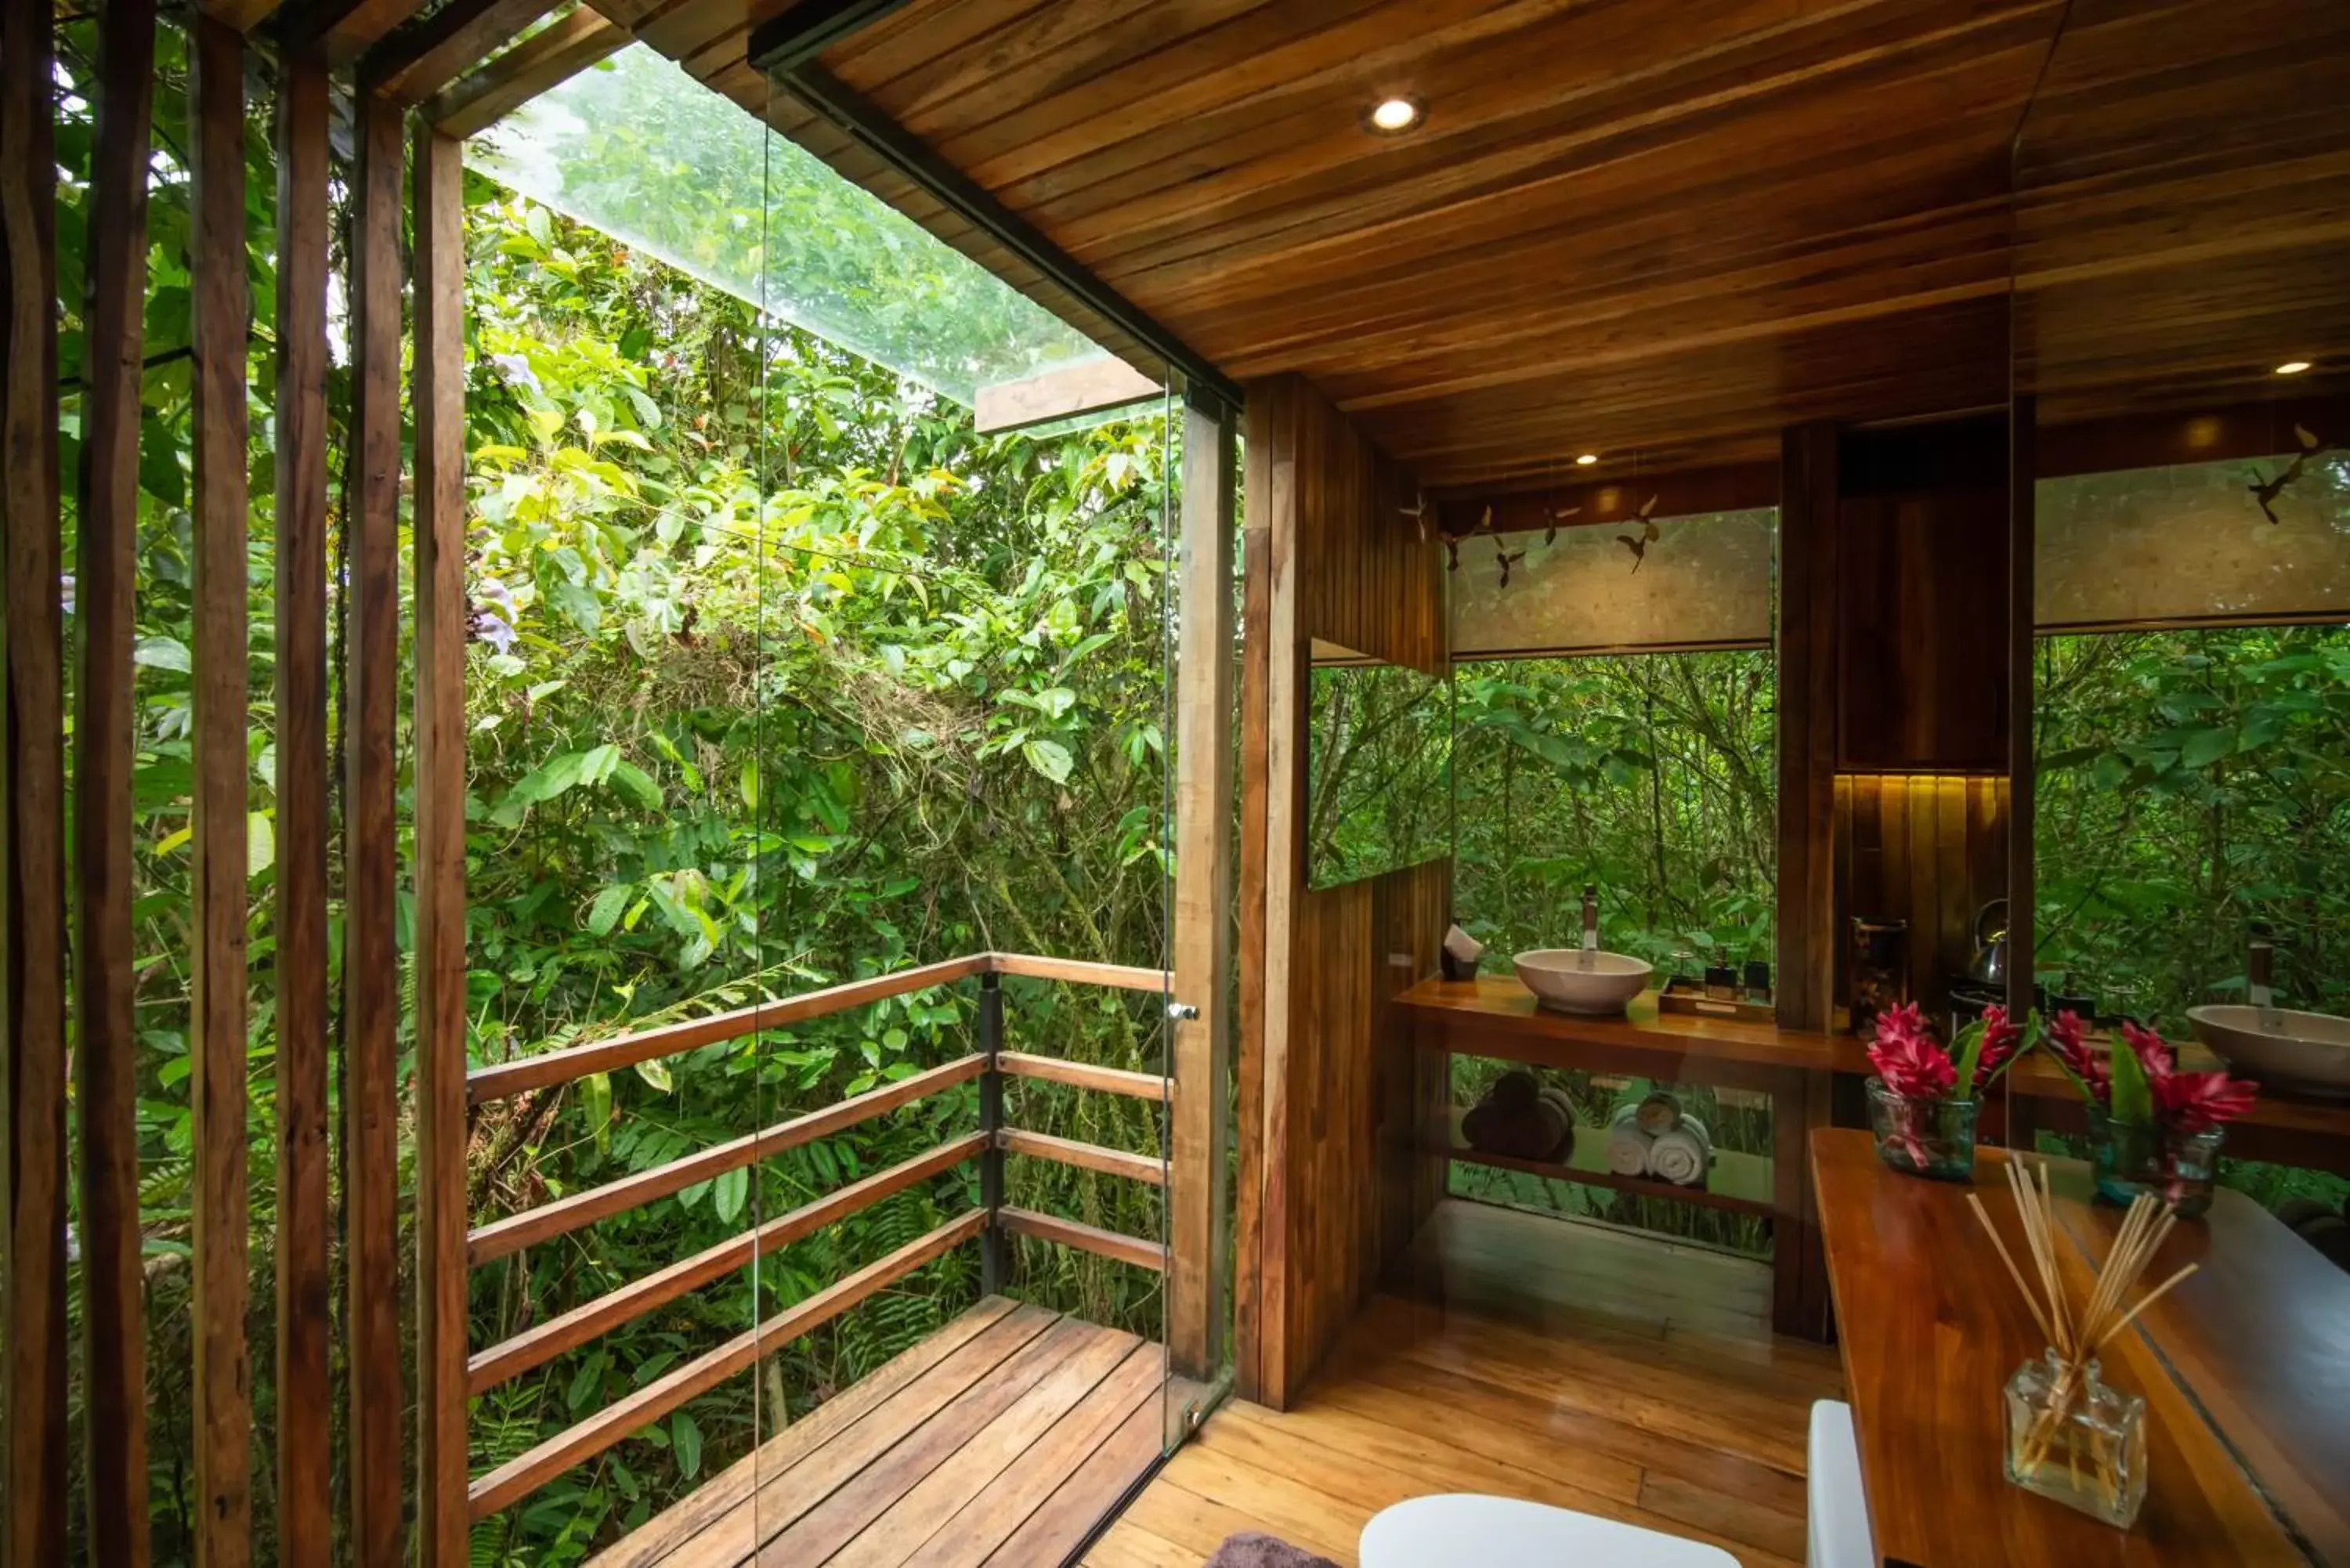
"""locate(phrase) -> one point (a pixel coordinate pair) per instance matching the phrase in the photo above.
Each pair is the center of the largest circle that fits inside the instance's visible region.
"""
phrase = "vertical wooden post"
(1257, 678)
(995, 1249)
(32, 817)
(1198, 1196)
(305, 1396)
(223, 1382)
(114, 1330)
(439, 729)
(371, 1000)
(2023, 766)
(1808, 725)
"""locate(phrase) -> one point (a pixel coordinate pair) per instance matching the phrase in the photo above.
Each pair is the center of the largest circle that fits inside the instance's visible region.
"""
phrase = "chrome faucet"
(1590, 926)
(2259, 982)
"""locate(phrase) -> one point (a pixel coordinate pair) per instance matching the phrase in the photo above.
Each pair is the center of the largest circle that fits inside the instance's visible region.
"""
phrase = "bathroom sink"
(2304, 1053)
(1558, 978)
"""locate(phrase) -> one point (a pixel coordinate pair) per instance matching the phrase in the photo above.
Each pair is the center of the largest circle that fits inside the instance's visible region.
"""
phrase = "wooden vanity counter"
(1496, 1016)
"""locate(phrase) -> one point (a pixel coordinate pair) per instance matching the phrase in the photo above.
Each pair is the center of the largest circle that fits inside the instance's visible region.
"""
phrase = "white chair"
(1461, 1529)
(1838, 1536)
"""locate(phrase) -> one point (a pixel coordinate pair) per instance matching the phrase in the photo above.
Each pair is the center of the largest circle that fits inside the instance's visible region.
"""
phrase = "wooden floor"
(1608, 1373)
(1001, 1440)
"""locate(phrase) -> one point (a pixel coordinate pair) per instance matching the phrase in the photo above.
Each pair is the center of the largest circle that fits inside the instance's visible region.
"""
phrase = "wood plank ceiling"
(1657, 230)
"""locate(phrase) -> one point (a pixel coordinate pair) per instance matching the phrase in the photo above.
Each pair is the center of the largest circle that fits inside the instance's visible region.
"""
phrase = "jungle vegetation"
(780, 674)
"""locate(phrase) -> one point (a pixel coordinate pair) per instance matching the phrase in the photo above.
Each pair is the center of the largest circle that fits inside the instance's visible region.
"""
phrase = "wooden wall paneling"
(1203, 935)
(2023, 766)
(1253, 957)
(1274, 440)
(1921, 598)
(114, 1339)
(442, 1518)
(305, 1397)
(223, 1383)
(32, 818)
(369, 1151)
(1342, 563)
(1927, 848)
(1807, 740)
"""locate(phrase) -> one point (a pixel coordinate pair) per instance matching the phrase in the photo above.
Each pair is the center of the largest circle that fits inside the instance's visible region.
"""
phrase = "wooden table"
(2245, 1371)
(1496, 1016)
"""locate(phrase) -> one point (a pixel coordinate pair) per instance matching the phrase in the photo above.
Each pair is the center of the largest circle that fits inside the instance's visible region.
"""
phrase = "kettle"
(1989, 964)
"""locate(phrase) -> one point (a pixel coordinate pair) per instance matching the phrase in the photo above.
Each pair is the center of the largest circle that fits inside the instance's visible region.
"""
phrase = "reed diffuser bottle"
(2070, 1437)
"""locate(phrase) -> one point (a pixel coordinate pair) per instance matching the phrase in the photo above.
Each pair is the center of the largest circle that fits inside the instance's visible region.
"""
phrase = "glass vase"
(2072, 1438)
(1923, 1137)
(2131, 1158)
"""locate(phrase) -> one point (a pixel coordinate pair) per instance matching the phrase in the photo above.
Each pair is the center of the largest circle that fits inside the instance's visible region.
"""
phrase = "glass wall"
(2191, 666)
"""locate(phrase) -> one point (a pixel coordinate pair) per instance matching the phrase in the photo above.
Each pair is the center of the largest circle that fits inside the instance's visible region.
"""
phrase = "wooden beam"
(1084, 1076)
(440, 787)
(552, 56)
(32, 817)
(524, 1474)
(305, 1395)
(808, 27)
(426, 54)
(114, 1329)
(1807, 726)
(1079, 1155)
(370, 710)
(1203, 934)
(544, 1341)
(1092, 386)
(1085, 1238)
(224, 1379)
(502, 1238)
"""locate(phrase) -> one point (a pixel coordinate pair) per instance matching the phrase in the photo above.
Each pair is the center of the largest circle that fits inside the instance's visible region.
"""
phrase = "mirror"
(1379, 767)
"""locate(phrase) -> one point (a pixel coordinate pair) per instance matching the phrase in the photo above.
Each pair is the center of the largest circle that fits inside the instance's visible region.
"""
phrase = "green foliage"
(1380, 758)
(779, 675)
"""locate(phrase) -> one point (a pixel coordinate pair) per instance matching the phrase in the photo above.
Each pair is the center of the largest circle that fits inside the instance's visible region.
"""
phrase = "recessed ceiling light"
(1586, 460)
(1393, 116)
(2293, 368)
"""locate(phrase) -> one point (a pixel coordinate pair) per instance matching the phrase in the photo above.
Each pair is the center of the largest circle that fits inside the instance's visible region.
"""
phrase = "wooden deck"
(999, 1441)
(1571, 1365)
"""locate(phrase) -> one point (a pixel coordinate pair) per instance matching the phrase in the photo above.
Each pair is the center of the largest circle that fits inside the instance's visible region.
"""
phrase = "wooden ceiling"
(1656, 230)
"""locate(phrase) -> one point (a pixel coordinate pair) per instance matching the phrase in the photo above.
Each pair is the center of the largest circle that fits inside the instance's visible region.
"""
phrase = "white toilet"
(1838, 1536)
(1463, 1530)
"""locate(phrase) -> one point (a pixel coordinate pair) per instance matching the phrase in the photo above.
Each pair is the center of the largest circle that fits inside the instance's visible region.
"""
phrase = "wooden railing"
(991, 1223)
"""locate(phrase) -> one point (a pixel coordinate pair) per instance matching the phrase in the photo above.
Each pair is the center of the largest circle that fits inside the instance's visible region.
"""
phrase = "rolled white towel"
(1627, 1146)
(1682, 1155)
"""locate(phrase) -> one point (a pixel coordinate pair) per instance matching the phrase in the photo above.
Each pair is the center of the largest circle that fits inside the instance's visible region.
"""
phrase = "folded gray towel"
(1254, 1550)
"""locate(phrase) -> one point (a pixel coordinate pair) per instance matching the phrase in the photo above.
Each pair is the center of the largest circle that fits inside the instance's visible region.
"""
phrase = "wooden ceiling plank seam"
(421, 57)
(1525, 174)
(545, 59)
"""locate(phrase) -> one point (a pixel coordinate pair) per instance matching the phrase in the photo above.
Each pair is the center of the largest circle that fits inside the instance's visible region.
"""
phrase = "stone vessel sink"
(1559, 981)
(2299, 1053)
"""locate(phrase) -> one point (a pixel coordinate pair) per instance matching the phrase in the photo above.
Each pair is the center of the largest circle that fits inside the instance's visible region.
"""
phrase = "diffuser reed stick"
(2077, 1328)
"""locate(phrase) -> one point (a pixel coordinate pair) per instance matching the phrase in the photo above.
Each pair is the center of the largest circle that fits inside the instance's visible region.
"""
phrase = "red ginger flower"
(2068, 1037)
(1999, 1041)
(2197, 1102)
(1909, 1058)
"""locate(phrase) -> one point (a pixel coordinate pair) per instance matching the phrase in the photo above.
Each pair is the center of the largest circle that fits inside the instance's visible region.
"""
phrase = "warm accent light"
(2293, 368)
(1586, 460)
(1393, 116)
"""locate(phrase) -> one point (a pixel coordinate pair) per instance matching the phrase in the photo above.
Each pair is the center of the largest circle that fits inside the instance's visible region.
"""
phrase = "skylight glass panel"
(638, 149)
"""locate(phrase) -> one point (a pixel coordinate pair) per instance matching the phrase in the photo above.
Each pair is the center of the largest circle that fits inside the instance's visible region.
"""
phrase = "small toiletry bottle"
(1720, 982)
(1758, 982)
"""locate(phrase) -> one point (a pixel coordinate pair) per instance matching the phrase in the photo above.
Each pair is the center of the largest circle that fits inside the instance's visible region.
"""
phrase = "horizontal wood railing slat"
(1083, 1155)
(507, 1078)
(547, 1220)
(1079, 971)
(1085, 1238)
(1082, 1076)
(525, 1473)
(544, 1341)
